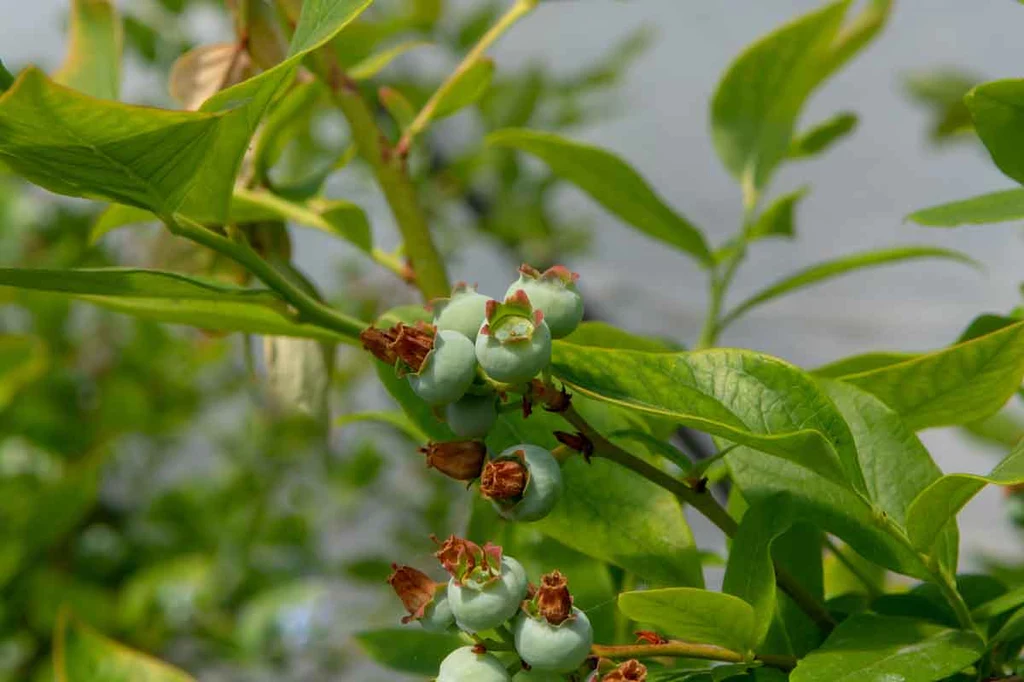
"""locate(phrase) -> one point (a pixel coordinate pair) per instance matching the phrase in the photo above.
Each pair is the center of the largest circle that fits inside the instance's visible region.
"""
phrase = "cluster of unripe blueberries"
(475, 351)
(488, 592)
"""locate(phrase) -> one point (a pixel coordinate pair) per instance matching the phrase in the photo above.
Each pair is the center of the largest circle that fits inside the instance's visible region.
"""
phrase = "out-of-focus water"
(860, 192)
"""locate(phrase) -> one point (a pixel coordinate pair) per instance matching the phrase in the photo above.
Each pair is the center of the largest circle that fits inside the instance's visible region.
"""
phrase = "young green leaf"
(823, 136)
(375, 63)
(398, 107)
(694, 615)
(939, 503)
(870, 647)
(838, 267)
(956, 385)
(172, 298)
(756, 105)
(408, 650)
(998, 112)
(469, 87)
(82, 655)
(93, 62)
(612, 183)
(777, 220)
(943, 90)
(1010, 601)
(750, 573)
(741, 396)
(997, 207)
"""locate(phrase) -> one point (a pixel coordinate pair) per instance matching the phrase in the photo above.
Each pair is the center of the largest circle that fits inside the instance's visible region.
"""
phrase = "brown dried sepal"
(554, 400)
(415, 588)
(410, 344)
(467, 560)
(462, 460)
(504, 479)
(576, 441)
(552, 602)
(649, 637)
(630, 671)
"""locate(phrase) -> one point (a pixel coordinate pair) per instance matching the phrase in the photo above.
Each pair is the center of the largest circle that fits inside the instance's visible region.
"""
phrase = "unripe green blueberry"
(438, 616)
(447, 370)
(537, 676)
(472, 416)
(463, 312)
(556, 648)
(554, 293)
(524, 482)
(514, 343)
(483, 606)
(465, 665)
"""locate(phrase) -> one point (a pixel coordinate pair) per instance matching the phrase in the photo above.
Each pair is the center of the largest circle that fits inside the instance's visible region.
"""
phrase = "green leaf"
(93, 63)
(82, 655)
(172, 298)
(333, 216)
(838, 267)
(694, 615)
(741, 396)
(23, 359)
(164, 161)
(777, 219)
(607, 512)
(939, 503)
(956, 385)
(943, 90)
(749, 573)
(883, 648)
(611, 183)
(396, 419)
(468, 87)
(998, 112)
(398, 107)
(997, 207)
(408, 650)
(375, 63)
(855, 364)
(758, 101)
(823, 135)
(604, 335)
(6, 78)
(1010, 601)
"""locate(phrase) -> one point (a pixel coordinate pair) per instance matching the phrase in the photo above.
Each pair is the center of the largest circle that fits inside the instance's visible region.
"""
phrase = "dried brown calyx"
(415, 588)
(468, 561)
(408, 344)
(462, 460)
(630, 671)
(504, 479)
(551, 601)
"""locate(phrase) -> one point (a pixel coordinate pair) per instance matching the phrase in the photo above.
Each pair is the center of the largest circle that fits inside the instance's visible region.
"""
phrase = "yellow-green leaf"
(82, 655)
(93, 62)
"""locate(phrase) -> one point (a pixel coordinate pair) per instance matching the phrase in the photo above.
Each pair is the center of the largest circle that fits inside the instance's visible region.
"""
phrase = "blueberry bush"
(560, 451)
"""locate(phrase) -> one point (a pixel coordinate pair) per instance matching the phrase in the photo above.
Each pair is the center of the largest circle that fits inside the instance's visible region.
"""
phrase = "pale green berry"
(483, 606)
(463, 312)
(554, 293)
(537, 676)
(514, 343)
(556, 648)
(465, 665)
(438, 616)
(472, 416)
(447, 370)
(520, 497)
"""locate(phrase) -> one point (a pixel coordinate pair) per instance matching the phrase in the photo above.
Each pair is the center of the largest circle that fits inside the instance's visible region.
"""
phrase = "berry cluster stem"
(703, 502)
(308, 308)
(678, 649)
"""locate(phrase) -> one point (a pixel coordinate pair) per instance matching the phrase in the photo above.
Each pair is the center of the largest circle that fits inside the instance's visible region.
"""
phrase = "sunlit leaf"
(374, 64)
(612, 183)
(694, 615)
(998, 112)
(82, 655)
(998, 207)
(468, 87)
(823, 136)
(93, 62)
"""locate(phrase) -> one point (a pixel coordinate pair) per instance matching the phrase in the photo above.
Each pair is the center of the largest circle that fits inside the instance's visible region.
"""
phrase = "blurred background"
(147, 477)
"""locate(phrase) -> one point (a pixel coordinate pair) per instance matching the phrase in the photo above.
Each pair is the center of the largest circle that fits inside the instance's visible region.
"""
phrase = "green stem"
(519, 10)
(674, 648)
(391, 173)
(308, 308)
(703, 502)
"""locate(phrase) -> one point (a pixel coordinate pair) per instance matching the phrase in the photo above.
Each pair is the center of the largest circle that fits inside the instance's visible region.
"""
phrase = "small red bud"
(504, 479)
(462, 460)
(414, 588)
(630, 671)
